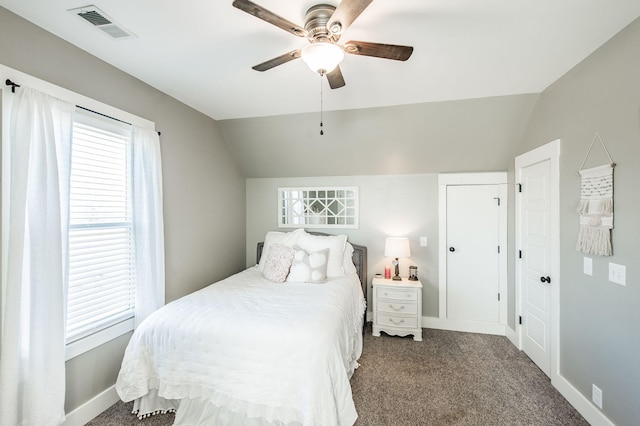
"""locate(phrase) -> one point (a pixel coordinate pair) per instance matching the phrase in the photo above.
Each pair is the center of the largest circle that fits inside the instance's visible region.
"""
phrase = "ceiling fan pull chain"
(321, 124)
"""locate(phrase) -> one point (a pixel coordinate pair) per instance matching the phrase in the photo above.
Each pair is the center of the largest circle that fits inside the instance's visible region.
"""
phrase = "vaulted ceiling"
(201, 52)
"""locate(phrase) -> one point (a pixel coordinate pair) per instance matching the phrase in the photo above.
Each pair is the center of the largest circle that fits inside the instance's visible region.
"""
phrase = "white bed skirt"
(190, 412)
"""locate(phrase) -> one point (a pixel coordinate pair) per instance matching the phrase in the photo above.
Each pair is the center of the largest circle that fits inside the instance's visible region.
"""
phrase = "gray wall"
(476, 135)
(204, 189)
(390, 206)
(599, 320)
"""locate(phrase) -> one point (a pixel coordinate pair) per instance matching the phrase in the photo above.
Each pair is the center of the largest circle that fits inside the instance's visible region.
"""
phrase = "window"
(102, 279)
(109, 200)
(318, 207)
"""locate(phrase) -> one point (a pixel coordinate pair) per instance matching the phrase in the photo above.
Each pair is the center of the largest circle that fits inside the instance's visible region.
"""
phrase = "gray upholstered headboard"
(359, 260)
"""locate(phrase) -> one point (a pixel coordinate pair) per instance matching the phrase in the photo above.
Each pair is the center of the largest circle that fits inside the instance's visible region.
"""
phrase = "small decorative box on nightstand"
(397, 307)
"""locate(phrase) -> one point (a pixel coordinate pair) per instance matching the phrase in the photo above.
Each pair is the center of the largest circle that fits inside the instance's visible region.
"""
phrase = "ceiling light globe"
(322, 57)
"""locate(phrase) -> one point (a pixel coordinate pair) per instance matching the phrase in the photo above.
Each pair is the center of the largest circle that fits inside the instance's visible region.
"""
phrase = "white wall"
(399, 205)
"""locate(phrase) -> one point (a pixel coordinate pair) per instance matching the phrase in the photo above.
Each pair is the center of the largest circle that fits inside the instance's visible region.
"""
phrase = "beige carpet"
(450, 378)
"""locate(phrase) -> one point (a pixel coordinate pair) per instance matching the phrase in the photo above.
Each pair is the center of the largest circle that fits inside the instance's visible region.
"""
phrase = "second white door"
(535, 276)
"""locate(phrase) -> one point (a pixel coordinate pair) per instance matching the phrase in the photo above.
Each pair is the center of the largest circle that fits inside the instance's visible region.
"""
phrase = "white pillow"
(336, 245)
(278, 263)
(309, 267)
(288, 239)
(347, 264)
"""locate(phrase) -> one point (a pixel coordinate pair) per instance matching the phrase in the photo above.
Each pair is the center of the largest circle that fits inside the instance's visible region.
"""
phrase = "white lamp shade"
(397, 247)
(322, 57)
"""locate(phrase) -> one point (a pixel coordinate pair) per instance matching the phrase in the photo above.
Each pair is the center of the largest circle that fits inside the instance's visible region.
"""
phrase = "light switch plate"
(617, 273)
(423, 241)
(588, 266)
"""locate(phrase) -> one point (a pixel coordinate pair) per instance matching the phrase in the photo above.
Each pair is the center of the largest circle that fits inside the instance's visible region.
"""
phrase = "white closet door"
(473, 261)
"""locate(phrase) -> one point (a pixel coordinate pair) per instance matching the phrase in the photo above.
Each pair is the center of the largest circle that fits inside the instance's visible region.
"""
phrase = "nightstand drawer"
(398, 294)
(393, 307)
(397, 321)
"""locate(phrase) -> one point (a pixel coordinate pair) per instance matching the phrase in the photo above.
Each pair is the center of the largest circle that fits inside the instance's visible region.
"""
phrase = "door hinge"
(498, 297)
(498, 249)
(497, 198)
(519, 187)
(520, 320)
(519, 254)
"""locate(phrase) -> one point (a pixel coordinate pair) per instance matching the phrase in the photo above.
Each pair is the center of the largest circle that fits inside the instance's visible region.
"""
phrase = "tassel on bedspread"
(596, 210)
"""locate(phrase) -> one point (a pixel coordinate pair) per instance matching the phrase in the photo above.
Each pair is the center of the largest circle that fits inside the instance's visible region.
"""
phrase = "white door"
(538, 246)
(535, 263)
(473, 238)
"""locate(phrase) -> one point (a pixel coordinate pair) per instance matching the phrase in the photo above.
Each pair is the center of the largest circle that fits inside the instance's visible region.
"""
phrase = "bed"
(251, 351)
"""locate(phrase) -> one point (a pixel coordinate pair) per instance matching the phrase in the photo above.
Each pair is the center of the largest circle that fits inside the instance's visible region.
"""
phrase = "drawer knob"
(396, 322)
(396, 309)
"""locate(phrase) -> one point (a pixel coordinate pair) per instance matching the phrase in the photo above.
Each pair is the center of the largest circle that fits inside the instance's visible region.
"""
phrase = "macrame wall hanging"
(596, 206)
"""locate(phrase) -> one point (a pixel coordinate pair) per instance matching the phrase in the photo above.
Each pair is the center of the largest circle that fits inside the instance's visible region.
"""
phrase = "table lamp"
(397, 247)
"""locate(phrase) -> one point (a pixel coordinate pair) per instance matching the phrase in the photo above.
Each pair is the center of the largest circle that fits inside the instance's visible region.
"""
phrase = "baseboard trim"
(590, 412)
(512, 335)
(466, 326)
(92, 408)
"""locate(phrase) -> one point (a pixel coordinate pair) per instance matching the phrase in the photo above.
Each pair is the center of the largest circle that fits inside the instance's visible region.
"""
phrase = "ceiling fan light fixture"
(322, 57)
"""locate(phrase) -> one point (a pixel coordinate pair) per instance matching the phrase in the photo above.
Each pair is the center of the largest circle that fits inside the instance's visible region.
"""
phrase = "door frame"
(548, 152)
(451, 179)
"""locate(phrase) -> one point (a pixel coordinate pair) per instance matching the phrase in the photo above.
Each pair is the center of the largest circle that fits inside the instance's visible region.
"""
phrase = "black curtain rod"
(13, 90)
(103, 115)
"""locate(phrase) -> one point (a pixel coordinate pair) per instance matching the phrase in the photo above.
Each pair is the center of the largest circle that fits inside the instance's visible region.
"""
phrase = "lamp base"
(396, 278)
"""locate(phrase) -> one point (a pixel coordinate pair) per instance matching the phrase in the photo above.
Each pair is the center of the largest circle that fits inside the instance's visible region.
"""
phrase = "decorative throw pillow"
(278, 263)
(336, 245)
(309, 267)
(288, 239)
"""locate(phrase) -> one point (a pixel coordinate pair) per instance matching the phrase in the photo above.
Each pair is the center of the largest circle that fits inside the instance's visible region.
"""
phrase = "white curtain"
(148, 222)
(32, 357)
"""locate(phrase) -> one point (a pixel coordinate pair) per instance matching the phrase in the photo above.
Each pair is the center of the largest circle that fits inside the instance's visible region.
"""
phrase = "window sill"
(92, 341)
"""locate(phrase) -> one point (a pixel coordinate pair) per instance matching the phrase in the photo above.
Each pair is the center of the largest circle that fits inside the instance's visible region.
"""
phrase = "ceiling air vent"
(100, 20)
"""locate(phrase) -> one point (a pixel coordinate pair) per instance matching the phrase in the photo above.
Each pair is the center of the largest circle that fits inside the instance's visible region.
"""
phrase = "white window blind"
(101, 253)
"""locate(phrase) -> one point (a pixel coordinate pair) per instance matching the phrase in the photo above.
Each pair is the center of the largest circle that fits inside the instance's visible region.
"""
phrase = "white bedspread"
(279, 352)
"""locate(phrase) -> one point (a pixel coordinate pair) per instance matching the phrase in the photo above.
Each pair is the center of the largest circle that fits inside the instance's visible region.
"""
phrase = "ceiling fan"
(324, 24)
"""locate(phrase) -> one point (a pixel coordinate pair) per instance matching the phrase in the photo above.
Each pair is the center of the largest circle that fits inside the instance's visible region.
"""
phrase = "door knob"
(452, 249)
(545, 280)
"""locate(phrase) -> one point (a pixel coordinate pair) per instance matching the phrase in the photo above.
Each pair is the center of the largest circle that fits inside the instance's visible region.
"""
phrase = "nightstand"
(397, 307)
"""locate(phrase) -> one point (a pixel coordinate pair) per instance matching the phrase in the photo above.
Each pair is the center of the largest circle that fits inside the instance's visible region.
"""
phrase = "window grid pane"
(318, 207)
(101, 255)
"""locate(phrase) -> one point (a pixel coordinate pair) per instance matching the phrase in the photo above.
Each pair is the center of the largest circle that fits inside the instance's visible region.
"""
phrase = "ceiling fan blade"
(335, 78)
(278, 60)
(346, 12)
(270, 17)
(379, 50)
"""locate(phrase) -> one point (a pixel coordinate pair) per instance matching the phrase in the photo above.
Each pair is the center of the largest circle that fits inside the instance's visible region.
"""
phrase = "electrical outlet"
(596, 396)
(588, 266)
(423, 241)
(617, 273)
